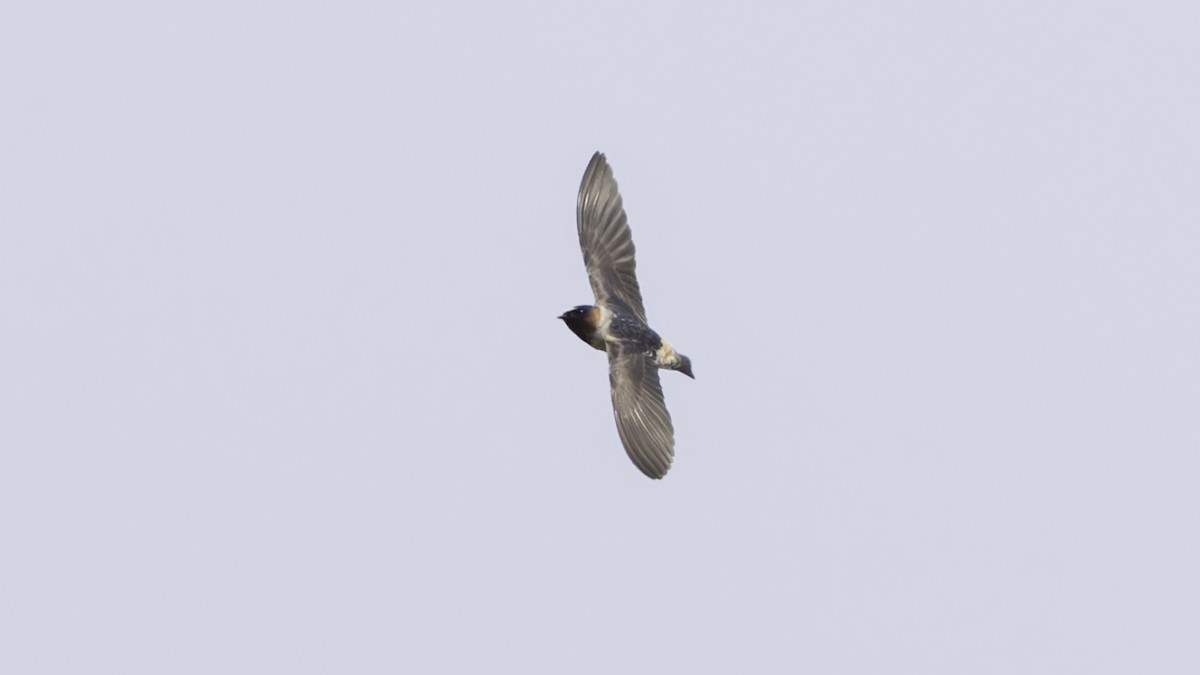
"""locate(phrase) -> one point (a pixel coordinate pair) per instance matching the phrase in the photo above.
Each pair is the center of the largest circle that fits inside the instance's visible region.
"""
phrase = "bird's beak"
(687, 370)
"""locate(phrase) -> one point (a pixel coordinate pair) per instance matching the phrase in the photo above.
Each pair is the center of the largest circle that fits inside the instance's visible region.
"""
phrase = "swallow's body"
(616, 324)
(598, 326)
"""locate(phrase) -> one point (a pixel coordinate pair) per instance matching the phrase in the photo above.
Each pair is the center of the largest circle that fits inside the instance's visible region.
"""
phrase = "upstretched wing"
(642, 418)
(606, 240)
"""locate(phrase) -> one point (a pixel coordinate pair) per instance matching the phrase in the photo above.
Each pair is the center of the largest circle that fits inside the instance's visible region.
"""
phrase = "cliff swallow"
(616, 324)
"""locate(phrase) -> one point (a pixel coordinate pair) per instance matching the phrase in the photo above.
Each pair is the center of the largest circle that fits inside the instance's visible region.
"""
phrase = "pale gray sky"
(282, 389)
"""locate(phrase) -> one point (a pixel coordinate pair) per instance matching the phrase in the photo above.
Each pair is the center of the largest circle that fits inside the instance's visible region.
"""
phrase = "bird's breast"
(598, 321)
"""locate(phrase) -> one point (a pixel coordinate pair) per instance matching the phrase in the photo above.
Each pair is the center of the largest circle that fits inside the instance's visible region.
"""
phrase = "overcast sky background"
(282, 388)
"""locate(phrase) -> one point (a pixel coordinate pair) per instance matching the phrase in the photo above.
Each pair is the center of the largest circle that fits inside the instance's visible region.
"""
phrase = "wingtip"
(597, 163)
(653, 475)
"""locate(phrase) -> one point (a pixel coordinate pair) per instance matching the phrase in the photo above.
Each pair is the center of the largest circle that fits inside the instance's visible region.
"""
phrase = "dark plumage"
(616, 324)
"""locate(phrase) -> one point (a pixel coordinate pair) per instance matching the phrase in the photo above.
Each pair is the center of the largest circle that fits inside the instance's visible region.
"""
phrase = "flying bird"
(616, 324)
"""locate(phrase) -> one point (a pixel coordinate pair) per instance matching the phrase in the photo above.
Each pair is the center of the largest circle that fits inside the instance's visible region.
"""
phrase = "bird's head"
(582, 322)
(575, 315)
